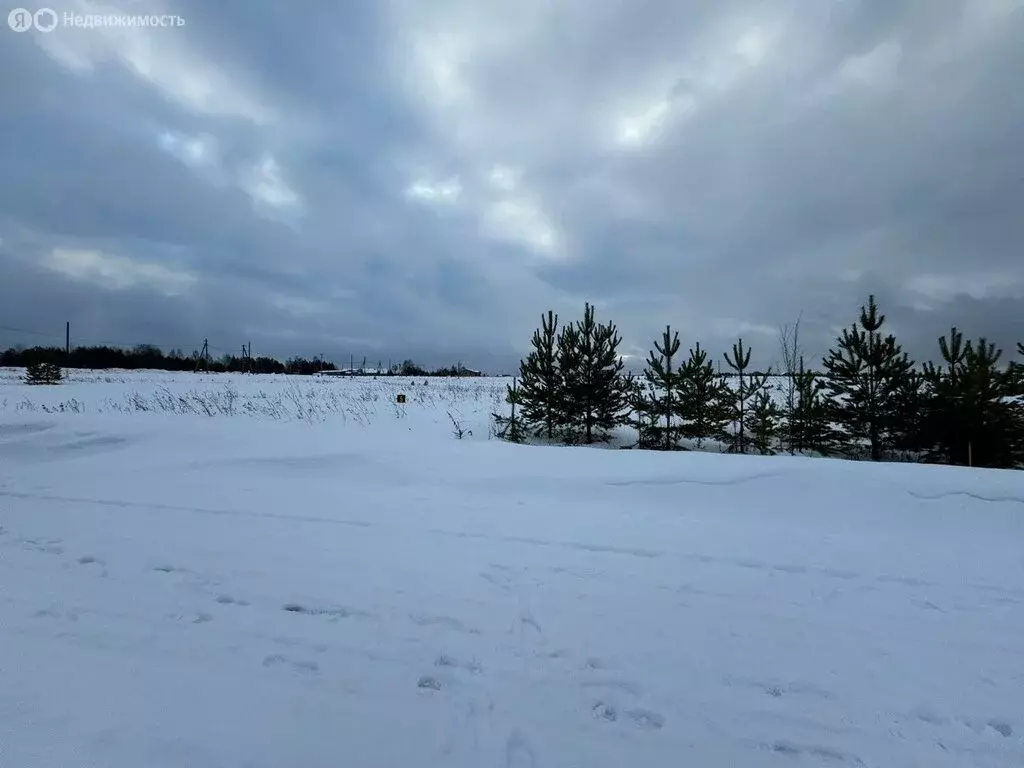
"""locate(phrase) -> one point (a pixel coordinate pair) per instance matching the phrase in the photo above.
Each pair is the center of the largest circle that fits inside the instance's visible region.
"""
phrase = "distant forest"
(148, 357)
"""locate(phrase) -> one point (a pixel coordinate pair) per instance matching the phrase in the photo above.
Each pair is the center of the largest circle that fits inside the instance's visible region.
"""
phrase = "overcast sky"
(423, 178)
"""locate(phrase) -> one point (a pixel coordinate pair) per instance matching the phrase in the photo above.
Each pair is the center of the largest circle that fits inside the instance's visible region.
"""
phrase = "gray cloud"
(424, 179)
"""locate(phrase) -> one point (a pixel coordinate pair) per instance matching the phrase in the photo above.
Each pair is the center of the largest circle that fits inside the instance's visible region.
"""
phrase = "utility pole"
(67, 340)
(204, 355)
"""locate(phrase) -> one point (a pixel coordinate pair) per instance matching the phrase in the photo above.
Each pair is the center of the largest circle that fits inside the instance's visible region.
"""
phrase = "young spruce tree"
(540, 381)
(863, 373)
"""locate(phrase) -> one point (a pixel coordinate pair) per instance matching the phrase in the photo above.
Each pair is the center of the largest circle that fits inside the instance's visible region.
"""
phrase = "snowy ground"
(261, 591)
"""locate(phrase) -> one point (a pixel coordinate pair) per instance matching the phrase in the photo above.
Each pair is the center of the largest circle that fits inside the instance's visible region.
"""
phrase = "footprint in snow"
(195, 618)
(45, 546)
(301, 665)
(95, 561)
(1001, 727)
(518, 752)
(646, 718)
(444, 660)
(333, 614)
(833, 756)
(429, 683)
(229, 600)
(449, 622)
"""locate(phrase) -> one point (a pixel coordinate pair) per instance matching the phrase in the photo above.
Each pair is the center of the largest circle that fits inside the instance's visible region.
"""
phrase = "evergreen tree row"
(869, 400)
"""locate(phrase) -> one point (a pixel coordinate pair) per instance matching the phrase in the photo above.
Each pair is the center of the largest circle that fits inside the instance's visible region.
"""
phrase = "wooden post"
(970, 454)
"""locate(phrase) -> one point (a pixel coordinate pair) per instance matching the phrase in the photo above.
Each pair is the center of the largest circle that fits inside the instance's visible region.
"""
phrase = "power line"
(30, 333)
(100, 343)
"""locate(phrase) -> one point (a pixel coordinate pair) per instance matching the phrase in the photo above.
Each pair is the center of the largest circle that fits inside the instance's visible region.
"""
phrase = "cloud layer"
(402, 178)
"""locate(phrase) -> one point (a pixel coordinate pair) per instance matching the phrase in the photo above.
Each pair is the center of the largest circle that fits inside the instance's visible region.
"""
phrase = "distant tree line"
(867, 400)
(146, 356)
(410, 368)
(149, 357)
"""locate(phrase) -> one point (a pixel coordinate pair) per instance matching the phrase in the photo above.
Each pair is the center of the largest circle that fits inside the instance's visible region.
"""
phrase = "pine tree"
(662, 396)
(765, 419)
(541, 393)
(701, 397)
(863, 373)
(748, 388)
(643, 411)
(972, 419)
(807, 426)
(943, 430)
(907, 418)
(596, 390)
(43, 372)
(568, 357)
(510, 427)
(1017, 372)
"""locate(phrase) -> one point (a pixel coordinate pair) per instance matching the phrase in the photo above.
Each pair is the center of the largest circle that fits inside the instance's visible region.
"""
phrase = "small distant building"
(354, 372)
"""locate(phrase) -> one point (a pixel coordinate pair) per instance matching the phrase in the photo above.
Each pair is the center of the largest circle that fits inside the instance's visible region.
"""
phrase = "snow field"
(329, 590)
